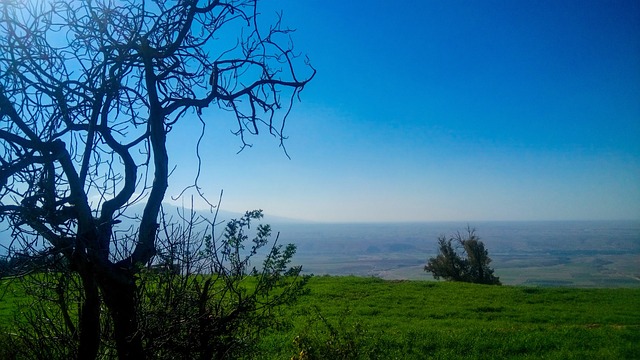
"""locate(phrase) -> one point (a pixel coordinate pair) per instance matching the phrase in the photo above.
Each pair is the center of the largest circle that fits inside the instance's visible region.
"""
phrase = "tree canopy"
(89, 93)
(462, 257)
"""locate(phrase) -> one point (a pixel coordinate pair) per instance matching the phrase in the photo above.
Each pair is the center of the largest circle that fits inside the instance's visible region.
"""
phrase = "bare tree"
(89, 92)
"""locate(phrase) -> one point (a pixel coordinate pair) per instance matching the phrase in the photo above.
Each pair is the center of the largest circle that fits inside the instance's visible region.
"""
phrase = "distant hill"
(129, 221)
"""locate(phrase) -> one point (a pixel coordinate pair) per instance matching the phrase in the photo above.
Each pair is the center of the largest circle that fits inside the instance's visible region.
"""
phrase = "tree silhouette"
(89, 93)
(462, 257)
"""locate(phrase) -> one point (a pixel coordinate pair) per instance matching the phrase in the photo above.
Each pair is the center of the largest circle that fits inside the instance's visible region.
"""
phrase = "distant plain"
(531, 253)
(539, 253)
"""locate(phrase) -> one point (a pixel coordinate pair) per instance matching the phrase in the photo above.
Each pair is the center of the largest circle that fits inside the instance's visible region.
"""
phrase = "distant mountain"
(129, 221)
(222, 215)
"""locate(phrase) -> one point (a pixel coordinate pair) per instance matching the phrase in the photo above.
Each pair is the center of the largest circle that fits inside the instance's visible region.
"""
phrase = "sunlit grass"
(417, 320)
(369, 318)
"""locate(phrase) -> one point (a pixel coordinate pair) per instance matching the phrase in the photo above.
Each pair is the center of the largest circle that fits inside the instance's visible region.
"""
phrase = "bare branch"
(89, 94)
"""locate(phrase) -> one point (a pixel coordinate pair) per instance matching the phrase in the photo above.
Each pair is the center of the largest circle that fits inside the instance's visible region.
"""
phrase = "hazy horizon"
(225, 213)
(557, 253)
(277, 218)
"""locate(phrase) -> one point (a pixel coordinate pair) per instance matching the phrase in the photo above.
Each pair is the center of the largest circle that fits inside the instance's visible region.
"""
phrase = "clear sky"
(445, 110)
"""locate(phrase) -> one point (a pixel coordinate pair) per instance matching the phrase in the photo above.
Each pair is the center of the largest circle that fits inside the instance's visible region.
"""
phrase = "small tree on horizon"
(462, 257)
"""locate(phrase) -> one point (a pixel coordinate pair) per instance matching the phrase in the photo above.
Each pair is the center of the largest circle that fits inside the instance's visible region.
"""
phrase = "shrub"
(199, 298)
(462, 258)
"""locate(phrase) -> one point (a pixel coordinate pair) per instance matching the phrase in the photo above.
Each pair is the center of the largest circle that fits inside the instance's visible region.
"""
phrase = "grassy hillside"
(368, 318)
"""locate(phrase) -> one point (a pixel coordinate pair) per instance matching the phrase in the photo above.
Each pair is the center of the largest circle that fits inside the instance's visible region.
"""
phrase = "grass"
(370, 318)
(422, 320)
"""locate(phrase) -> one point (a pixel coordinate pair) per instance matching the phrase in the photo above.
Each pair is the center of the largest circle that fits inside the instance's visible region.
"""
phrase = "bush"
(187, 315)
(462, 258)
(199, 298)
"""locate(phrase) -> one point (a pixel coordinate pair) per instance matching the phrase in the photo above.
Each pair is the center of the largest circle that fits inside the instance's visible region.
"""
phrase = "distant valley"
(576, 253)
(537, 253)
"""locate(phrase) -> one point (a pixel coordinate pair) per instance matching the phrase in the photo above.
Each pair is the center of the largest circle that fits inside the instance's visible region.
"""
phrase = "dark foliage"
(200, 298)
(223, 314)
(462, 258)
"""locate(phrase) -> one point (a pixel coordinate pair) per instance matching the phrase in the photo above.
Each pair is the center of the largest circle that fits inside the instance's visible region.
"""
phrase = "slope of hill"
(369, 318)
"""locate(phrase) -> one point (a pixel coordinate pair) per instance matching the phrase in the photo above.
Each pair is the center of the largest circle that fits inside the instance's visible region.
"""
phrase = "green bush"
(199, 299)
(462, 258)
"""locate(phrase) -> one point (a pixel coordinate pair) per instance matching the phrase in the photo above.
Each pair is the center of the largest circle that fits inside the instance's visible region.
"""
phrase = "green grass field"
(370, 318)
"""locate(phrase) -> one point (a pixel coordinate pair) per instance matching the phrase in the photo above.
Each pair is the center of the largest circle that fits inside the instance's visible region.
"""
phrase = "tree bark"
(89, 322)
(119, 291)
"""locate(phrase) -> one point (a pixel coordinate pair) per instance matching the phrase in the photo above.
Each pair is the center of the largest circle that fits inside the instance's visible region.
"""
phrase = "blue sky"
(444, 110)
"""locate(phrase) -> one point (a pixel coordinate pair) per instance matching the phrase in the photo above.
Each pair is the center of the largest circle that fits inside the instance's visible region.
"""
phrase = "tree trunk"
(119, 291)
(89, 322)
